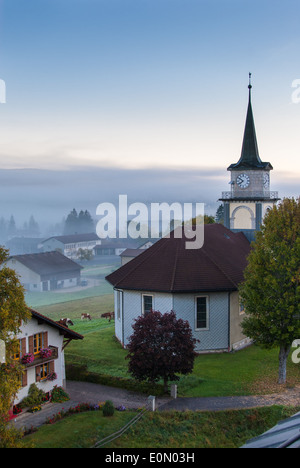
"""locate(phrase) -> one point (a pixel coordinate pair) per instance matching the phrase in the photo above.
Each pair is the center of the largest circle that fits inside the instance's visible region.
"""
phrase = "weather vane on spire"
(250, 85)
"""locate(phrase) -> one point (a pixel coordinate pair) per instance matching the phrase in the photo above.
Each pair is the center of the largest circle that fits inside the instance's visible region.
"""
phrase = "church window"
(147, 304)
(202, 313)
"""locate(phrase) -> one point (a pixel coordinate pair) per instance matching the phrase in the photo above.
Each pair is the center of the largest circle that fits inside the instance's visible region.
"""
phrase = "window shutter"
(23, 346)
(30, 344)
(51, 366)
(24, 379)
(45, 340)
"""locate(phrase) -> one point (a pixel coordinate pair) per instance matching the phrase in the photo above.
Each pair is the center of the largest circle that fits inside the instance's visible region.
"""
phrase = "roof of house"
(286, 434)
(70, 334)
(168, 266)
(131, 252)
(47, 262)
(73, 238)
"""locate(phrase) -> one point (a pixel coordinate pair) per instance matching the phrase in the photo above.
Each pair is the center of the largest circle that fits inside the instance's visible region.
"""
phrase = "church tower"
(246, 204)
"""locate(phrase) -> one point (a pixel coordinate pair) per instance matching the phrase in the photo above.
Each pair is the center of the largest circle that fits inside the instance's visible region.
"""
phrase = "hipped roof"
(168, 266)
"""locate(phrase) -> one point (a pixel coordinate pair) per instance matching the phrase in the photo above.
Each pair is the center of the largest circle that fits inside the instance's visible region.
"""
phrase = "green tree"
(271, 290)
(220, 214)
(13, 311)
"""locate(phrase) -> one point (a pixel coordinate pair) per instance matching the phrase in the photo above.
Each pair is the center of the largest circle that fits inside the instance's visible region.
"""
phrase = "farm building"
(70, 245)
(47, 271)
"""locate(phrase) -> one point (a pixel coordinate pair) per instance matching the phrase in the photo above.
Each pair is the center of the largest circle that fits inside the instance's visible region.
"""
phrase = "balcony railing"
(265, 195)
(38, 359)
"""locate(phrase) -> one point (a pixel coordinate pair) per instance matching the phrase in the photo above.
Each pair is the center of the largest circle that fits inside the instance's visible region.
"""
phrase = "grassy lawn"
(40, 299)
(226, 429)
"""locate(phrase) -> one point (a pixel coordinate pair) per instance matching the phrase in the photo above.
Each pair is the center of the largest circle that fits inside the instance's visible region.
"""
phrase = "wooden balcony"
(39, 360)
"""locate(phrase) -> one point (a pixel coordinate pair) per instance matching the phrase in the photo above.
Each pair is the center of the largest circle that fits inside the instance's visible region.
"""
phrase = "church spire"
(250, 156)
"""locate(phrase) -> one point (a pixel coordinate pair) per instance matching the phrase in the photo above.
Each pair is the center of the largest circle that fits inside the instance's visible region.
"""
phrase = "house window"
(119, 304)
(37, 342)
(242, 308)
(16, 355)
(202, 313)
(147, 304)
(44, 371)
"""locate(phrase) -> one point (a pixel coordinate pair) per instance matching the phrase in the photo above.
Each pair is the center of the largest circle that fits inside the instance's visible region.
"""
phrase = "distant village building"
(129, 254)
(41, 350)
(201, 286)
(110, 247)
(47, 271)
(70, 245)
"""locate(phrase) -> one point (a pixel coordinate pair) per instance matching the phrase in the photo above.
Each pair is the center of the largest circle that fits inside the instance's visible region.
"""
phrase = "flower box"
(52, 376)
(45, 353)
(27, 358)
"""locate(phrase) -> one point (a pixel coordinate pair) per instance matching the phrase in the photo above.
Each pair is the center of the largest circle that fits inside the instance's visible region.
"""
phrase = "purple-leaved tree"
(161, 347)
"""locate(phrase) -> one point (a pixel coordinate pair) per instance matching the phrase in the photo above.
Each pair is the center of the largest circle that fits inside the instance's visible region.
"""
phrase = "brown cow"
(110, 315)
(86, 316)
(65, 322)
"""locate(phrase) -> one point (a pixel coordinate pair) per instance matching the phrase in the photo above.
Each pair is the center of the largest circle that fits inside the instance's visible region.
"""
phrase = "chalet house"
(69, 245)
(200, 286)
(41, 350)
(47, 271)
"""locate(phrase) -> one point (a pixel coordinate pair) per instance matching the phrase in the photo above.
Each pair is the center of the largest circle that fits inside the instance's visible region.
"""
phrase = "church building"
(201, 286)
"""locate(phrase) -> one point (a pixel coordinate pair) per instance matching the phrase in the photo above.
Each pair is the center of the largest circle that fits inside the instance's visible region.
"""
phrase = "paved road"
(85, 392)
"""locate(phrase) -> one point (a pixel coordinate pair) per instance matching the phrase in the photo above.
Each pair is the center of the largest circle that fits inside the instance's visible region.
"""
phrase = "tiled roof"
(64, 330)
(47, 263)
(168, 266)
(73, 238)
(131, 252)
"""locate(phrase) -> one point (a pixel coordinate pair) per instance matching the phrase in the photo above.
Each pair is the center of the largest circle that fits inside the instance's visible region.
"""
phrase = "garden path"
(85, 392)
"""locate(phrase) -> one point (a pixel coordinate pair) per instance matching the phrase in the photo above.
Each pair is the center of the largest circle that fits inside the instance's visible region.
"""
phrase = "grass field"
(226, 429)
(246, 372)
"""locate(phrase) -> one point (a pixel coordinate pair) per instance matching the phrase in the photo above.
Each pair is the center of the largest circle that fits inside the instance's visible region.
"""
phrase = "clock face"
(266, 180)
(243, 180)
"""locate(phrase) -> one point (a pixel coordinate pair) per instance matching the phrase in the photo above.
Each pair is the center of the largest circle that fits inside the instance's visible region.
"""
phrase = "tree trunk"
(283, 355)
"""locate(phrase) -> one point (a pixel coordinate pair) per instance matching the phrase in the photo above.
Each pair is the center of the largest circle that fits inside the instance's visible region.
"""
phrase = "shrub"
(35, 397)
(58, 395)
(108, 409)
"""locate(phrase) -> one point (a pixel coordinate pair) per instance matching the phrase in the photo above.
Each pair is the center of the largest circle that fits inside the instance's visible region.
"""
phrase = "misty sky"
(142, 97)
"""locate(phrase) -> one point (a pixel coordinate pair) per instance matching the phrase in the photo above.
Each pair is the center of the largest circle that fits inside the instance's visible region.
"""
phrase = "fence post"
(151, 401)
(174, 391)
